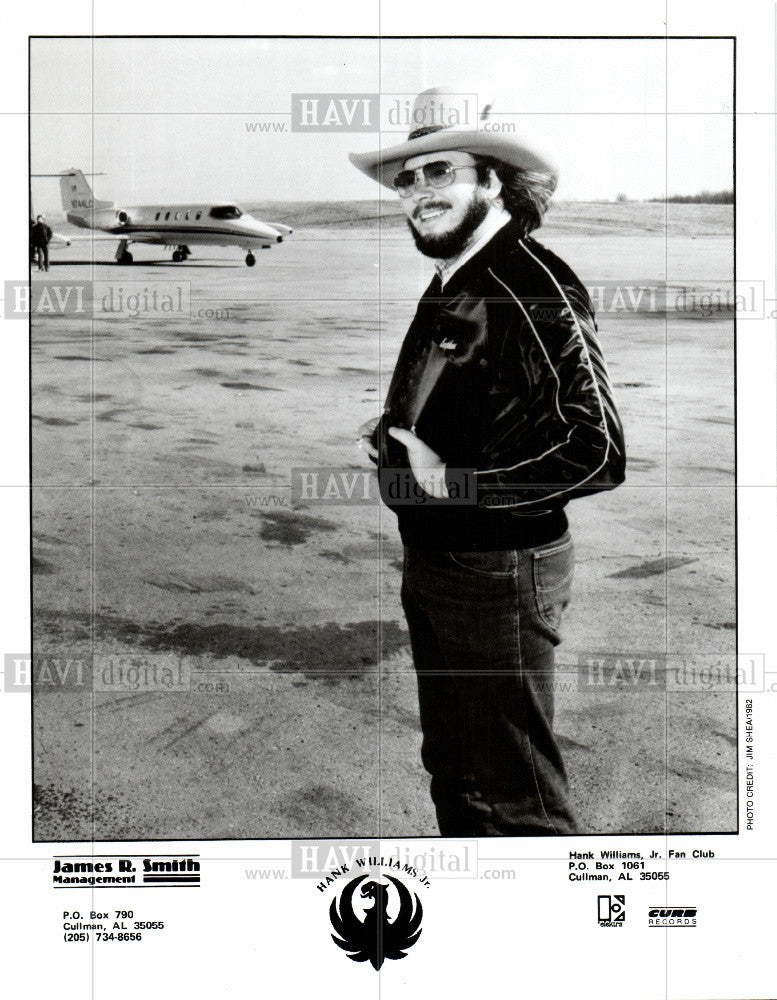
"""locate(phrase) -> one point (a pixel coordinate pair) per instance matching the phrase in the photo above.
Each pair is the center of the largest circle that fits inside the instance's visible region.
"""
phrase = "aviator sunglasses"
(438, 174)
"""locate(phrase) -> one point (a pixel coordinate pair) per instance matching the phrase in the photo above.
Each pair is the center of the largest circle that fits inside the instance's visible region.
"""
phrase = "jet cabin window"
(225, 212)
(156, 217)
(167, 215)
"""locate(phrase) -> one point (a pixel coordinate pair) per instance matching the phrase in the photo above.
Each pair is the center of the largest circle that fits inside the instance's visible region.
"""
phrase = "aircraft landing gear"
(181, 254)
(250, 259)
(123, 256)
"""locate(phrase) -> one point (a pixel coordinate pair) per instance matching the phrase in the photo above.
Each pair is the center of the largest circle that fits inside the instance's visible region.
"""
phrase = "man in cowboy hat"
(500, 374)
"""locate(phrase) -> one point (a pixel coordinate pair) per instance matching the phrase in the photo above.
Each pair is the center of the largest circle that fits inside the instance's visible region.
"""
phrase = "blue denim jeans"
(483, 628)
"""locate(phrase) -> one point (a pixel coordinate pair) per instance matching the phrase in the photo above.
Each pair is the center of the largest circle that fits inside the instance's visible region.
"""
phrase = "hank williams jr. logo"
(375, 937)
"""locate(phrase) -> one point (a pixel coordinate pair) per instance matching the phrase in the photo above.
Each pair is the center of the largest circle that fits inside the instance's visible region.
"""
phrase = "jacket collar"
(495, 221)
(490, 254)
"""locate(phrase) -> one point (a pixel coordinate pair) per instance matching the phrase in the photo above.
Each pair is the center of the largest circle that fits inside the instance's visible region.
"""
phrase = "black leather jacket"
(501, 373)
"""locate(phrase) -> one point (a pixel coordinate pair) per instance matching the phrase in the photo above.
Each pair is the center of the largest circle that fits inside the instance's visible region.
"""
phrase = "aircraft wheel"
(126, 258)
(250, 259)
(177, 256)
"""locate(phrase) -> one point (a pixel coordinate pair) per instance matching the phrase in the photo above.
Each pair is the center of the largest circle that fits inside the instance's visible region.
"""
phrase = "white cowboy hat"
(429, 135)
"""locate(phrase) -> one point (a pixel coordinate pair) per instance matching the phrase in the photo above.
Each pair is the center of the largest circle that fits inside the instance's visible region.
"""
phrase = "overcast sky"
(165, 119)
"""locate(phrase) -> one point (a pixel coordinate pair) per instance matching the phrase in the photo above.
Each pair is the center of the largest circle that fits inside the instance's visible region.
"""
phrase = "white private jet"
(177, 226)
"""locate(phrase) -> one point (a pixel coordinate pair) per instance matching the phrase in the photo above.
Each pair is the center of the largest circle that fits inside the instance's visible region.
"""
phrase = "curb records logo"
(611, 910)
(382, 922)
(672, 916)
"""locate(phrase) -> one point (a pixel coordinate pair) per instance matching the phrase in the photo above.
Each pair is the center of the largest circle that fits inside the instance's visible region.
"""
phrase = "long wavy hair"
(526, 194)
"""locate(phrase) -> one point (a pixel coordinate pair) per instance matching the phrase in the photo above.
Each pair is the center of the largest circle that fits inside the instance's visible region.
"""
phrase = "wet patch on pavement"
(653, 567)
(290, 528)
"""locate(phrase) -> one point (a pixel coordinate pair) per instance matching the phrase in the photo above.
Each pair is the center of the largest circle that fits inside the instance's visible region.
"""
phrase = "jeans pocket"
(496, 562)
(553, 567)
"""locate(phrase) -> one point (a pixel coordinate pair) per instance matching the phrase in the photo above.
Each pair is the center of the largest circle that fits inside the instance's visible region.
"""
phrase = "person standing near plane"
(176, 225)
(41, 237)
(500, 374)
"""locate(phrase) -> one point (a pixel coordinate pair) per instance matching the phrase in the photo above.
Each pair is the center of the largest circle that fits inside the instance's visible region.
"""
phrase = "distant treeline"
(344, 214)
(702, 198)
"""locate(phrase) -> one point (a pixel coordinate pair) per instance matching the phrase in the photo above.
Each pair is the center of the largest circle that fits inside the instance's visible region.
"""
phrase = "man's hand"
(364, 437)
(427, 466)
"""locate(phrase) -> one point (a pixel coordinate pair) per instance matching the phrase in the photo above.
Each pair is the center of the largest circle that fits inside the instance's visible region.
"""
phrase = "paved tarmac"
(275, 690)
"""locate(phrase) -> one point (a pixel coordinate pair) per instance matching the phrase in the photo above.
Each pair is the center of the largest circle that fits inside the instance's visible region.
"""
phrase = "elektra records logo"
(384, 922)
(611, 910)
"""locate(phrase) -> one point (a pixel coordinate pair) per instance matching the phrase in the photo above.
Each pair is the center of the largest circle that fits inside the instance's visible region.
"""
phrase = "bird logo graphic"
(375, 938)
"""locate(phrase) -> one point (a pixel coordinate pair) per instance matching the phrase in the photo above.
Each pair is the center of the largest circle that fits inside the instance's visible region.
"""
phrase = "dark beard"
(451, 244)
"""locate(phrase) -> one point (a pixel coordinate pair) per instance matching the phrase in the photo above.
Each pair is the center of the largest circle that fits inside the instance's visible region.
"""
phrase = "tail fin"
(77, 199)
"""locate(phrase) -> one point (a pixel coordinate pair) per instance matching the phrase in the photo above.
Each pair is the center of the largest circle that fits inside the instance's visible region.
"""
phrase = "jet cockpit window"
(225, 212)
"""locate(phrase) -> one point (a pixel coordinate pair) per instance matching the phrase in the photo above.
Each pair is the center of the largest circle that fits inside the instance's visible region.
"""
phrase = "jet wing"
(96, 238)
